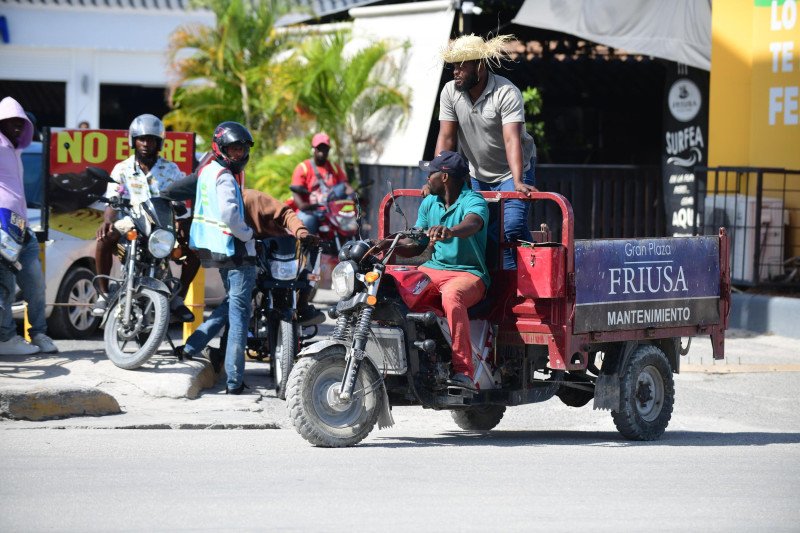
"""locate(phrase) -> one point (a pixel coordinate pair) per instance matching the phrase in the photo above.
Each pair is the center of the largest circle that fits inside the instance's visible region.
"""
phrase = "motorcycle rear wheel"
(479, 418)
(152, 319)
(316, 415)
(283, 345)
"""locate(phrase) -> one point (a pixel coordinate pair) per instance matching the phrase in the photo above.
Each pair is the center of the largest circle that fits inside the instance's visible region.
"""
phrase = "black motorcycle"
(286, 270)
(138, 315)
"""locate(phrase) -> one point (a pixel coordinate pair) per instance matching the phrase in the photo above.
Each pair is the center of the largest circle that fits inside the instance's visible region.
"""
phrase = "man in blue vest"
(223, 240)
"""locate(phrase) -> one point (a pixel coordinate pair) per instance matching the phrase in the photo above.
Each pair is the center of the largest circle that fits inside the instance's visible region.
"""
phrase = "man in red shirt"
(322, 179)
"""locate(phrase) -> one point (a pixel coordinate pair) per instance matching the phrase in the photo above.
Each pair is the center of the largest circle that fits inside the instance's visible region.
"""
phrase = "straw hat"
(473, 47)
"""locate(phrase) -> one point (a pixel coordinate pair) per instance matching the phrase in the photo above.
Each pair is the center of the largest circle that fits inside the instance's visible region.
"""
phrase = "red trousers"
(460, 291)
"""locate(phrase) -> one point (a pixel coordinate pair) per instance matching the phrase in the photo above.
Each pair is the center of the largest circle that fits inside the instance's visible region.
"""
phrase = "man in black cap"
(456, 218)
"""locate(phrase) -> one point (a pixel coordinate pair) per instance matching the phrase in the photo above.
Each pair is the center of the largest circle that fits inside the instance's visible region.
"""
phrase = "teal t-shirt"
(467, 254)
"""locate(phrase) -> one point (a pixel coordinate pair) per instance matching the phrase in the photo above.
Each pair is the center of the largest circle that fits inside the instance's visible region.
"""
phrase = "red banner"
(74, 150)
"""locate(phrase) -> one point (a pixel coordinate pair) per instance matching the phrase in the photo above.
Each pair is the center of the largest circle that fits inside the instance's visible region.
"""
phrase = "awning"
(425, 27)
(678, 30)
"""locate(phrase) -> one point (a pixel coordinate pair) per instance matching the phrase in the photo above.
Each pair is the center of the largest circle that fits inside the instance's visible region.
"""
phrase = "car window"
(32, 174)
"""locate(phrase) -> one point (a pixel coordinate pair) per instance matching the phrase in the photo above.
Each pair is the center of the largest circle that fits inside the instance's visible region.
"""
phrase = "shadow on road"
(579, 438)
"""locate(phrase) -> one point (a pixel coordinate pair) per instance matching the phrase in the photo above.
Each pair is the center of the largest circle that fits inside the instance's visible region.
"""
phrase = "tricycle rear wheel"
(647, 394)
(479, 418)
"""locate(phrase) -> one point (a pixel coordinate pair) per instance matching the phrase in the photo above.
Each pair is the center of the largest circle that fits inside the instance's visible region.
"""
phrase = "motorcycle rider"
(141, 176)
(322, 179)
(223, 240)
(268, 217)
(456, 218)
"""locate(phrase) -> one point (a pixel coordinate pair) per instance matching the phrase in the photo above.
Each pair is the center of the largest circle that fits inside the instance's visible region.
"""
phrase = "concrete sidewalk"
(80, 387)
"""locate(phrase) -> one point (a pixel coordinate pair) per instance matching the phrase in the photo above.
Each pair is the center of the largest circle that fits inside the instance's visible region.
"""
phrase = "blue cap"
(448, 162)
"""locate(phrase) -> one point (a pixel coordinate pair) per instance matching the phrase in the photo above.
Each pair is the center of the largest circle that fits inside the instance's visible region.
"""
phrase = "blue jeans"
(31, 281)
(515, 214)
(233, 311)
(310, 220)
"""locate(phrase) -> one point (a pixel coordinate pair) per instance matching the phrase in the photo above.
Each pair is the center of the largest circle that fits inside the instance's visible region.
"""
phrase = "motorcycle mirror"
(99, 174)
(396, 205)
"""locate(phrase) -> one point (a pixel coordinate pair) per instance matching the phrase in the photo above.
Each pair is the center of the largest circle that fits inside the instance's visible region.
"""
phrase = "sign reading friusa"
(685, 144)
(639, 283)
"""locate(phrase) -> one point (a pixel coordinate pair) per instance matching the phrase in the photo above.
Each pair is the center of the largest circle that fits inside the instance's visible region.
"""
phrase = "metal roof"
(307, 9)
(183, 5)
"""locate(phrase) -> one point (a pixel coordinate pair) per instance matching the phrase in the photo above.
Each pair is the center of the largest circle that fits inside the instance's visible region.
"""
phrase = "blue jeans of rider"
(515, 213)
(31, 281)
(234, 311)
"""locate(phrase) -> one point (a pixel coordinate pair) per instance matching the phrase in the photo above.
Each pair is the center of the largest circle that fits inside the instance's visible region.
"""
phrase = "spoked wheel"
(130, 345)
(283, 347)
(314, 407)
(647, 392)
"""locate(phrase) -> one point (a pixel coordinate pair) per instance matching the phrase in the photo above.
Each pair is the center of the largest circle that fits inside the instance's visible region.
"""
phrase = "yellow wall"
(754, 104)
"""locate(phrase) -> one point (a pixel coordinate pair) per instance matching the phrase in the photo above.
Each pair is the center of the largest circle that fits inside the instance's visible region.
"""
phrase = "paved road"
(730, 461)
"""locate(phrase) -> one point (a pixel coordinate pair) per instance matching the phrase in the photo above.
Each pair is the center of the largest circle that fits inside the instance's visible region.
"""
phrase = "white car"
(69, 267)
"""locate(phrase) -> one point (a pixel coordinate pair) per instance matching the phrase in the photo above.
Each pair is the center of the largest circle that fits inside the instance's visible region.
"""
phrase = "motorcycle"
(340, 219)
(138, 315)
(285, 269)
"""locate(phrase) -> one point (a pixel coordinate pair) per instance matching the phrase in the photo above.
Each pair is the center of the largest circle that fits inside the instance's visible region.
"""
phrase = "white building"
(78, 49)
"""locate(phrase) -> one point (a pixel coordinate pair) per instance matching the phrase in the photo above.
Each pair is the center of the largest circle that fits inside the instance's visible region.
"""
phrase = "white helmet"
(146, 125)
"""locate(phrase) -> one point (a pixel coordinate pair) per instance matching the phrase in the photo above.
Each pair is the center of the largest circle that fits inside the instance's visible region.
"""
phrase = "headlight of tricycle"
(161, 243)
(343, 279)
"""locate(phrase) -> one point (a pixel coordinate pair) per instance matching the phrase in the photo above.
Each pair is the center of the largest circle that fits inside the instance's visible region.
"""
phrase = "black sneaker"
(183, 314)
(462, 380)
(238, 390)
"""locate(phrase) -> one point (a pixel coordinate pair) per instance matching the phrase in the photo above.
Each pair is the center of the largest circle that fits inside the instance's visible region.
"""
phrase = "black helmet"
(226, 134)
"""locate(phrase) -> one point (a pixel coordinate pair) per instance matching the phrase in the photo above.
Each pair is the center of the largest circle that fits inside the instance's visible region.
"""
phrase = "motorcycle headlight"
(343, 279)
(160, 243)
(349, 223)
(284, 270)
(9, 247)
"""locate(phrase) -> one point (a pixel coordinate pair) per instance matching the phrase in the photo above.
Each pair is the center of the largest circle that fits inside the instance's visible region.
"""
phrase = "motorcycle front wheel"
(311, 398)
(283, 346)
(130, 346)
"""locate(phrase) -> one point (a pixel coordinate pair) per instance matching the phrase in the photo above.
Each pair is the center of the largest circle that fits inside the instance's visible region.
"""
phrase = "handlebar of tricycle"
(567, 217)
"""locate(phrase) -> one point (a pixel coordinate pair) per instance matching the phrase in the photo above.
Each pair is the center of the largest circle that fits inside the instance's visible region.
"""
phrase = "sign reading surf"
(634, 284)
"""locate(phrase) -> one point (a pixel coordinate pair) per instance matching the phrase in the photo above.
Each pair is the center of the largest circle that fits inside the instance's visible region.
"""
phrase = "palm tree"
(230, 72)
(354, 96)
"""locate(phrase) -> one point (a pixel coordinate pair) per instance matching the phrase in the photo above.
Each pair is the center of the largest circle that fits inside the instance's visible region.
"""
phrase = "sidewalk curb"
(44, 403)
(765, 314)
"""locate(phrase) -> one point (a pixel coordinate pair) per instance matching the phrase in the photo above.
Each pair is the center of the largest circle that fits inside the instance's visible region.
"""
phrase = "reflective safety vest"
(208, 231)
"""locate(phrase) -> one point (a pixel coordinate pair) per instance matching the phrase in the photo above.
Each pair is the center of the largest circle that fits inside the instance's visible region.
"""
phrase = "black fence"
(608, 200)
(760, 207)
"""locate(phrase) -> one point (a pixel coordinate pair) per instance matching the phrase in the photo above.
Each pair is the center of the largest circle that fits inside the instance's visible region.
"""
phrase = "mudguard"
(154, 284)
(320, 346)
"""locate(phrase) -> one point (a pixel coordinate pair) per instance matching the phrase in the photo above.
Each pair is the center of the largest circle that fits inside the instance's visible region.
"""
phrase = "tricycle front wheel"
(647, 394)
(316, 412)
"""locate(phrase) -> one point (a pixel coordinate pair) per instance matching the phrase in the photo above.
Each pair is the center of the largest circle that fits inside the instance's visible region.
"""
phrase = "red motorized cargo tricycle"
(582, 320)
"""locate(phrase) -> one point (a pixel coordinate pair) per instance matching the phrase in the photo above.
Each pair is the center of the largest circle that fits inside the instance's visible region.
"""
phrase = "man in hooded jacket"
(16, 133)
